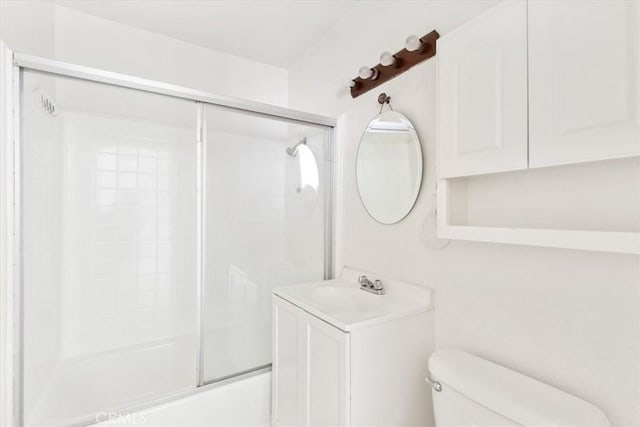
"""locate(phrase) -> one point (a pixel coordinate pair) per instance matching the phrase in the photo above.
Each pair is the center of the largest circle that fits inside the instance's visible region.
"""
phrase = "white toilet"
(476, 392)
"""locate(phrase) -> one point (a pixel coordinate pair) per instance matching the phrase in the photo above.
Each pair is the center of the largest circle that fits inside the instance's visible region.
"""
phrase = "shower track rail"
(35, 63)
(16, 62)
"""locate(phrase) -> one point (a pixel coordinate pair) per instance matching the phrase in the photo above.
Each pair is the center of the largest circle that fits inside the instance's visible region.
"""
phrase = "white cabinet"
(528, 85)
(584, 80)
(310, 380)
(286, 380)
(482, 94)
(326, 379)
(583, 76)
(369, 376)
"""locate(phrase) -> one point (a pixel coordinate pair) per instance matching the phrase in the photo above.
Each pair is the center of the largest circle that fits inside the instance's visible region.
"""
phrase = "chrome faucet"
(374, 287)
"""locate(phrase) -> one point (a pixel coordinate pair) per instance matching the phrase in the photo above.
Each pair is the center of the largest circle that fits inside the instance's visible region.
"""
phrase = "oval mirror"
(389, 167)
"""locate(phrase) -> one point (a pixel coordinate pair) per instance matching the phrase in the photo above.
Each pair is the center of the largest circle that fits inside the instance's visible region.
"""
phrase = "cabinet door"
(482, 94)
(584, 80)
(287, 375)
(310, 370)
(327, 374)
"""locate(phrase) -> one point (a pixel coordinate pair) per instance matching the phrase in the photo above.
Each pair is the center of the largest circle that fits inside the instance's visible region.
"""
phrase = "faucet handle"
(373, 286)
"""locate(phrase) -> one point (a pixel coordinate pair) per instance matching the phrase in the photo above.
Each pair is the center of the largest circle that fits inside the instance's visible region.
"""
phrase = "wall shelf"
(603, 241)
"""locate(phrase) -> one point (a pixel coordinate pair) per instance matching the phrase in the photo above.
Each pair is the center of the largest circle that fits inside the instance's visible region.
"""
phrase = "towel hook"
(383, 99)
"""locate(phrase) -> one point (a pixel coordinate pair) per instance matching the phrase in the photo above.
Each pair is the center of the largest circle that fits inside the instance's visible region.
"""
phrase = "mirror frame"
(418, 187)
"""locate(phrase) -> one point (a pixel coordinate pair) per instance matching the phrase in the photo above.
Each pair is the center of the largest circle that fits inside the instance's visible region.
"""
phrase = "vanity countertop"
(344, 305)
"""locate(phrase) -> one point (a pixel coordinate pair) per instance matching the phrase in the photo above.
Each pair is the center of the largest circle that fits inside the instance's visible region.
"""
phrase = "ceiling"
(272, 32)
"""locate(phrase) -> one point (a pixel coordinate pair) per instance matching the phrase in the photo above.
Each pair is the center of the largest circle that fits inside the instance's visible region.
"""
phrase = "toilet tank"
(480, 393)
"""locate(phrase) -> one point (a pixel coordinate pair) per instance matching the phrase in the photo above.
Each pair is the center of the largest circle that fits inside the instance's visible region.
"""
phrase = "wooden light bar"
(404, 60)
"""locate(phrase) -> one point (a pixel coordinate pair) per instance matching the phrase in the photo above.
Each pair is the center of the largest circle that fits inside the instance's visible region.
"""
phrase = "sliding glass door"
(109, 237)
(267, 195)
(154, 229)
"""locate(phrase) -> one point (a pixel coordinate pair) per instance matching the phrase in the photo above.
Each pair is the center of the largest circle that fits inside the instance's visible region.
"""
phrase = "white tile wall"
(130, 256)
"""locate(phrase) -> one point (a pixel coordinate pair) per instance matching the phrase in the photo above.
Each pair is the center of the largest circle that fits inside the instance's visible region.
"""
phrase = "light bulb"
(412, 43)
(365, 72)
(350, 83)
(387, 59)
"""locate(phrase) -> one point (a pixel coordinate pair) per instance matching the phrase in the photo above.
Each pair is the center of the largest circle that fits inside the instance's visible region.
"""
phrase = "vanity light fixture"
(416, 50)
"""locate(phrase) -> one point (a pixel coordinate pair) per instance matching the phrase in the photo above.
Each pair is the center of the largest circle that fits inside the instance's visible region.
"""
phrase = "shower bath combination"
(143, 248)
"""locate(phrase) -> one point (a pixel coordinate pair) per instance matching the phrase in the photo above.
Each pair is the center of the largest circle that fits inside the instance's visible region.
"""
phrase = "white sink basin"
(336, 299)
(343, 304)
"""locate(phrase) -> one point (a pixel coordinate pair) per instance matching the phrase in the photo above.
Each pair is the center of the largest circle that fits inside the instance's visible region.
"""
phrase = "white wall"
(46, 29)
(28, 26)
(568, 318)
(96, 42)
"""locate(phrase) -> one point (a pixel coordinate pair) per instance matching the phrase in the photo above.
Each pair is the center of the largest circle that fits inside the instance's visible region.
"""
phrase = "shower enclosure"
(151, 224)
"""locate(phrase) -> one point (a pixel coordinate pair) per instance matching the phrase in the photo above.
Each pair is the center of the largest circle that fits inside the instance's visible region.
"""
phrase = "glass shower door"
(266, 200)
(148, 257)
(109, 249)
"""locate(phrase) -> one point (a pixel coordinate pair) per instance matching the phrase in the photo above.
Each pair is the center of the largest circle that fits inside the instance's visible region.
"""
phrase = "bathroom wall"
(88, 40)
(568, 318)
(28, 26)
(50, 30)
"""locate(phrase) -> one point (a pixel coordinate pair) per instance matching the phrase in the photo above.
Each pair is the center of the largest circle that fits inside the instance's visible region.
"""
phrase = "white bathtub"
(77, 390)
(243, 403)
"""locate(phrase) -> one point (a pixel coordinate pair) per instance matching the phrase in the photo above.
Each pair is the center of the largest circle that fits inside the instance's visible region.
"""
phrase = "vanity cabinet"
(482, 94)
(584, 81)
(369, 373)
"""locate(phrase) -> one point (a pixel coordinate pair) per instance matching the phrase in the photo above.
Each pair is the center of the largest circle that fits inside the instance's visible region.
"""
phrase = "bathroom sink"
(332, 298)
(344, 305)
